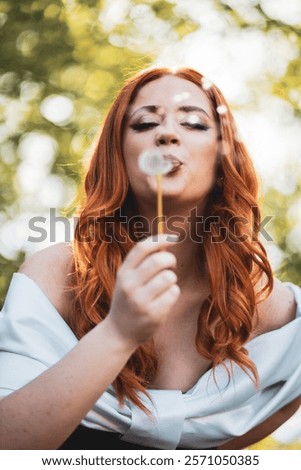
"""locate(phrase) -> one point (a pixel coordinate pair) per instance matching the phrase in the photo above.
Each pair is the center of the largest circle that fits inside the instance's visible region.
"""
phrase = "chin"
(170, 186)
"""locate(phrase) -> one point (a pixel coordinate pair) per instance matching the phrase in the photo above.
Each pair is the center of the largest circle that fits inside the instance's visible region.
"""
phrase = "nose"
(167, 135)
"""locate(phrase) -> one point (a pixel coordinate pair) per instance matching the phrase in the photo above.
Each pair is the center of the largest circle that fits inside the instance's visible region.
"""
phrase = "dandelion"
(154, 164)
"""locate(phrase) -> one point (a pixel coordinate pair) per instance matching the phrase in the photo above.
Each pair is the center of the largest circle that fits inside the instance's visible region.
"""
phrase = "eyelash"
(143, 126)
(150, 125)
(198, 126)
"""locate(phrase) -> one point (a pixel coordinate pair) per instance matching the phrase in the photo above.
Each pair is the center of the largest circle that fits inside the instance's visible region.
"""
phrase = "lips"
(175, 160)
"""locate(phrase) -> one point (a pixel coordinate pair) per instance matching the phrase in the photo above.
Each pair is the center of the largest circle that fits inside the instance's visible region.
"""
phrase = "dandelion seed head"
(153, 163)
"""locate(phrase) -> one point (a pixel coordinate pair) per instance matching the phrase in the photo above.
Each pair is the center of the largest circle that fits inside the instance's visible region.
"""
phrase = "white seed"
(153, 163)
(193, 119)
(181, 97)
(206, 83)
(222, 109)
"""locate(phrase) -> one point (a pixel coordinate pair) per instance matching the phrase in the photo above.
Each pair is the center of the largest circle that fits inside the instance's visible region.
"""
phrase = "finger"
(153, 264)
(145, 247)
(156, 286)
(167, 299)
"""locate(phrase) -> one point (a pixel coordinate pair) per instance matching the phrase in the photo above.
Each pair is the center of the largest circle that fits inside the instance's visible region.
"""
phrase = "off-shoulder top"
(34, 336)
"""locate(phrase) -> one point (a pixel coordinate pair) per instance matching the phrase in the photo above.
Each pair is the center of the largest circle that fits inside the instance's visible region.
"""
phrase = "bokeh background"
(62, 63)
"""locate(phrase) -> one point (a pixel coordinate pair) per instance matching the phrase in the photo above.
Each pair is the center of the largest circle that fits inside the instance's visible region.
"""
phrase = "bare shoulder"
(50, 269)
(278, 309)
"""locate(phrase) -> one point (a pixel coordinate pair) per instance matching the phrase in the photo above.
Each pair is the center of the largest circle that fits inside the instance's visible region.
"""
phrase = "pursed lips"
(174, 159)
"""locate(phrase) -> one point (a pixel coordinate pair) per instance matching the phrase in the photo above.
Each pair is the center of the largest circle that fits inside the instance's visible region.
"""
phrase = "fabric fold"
(167, 407)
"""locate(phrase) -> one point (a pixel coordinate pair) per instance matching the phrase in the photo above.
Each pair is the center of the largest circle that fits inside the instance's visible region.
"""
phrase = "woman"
(149, 341)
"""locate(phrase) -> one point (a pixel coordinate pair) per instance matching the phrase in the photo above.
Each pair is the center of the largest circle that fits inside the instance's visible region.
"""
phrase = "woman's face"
(172, 116)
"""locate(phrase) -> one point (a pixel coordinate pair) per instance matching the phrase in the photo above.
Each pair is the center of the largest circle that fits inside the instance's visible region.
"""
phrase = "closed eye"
(143, 126)
(197, 126)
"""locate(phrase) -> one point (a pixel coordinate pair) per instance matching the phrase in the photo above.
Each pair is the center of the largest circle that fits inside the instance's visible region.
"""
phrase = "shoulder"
(278, 309)
(50, 269)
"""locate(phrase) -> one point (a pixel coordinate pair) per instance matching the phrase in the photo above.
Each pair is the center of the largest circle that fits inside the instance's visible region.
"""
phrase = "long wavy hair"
(235, 258)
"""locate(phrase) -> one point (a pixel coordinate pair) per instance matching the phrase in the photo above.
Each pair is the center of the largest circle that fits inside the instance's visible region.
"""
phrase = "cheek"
(132, 143)
(131, 152)
(205, 165)
(126, 149)
(128, 156)
(132, 170)
(132, 148)
(135, 176)
(206, 153)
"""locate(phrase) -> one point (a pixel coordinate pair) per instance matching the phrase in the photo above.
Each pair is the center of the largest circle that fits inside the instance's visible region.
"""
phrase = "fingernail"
(172, 238)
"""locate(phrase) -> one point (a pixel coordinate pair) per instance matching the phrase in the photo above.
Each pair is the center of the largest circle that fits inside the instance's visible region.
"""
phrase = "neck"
(189, 263)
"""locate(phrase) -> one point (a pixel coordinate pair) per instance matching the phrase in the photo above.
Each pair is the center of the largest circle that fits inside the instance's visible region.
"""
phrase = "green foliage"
(49, 50)
(78, 51)
(7, 269)
(183, 25)
(269, 443)
(281, 208)
(287, 87)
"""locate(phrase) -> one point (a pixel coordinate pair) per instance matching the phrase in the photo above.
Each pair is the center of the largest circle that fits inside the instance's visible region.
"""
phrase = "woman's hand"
(145, 290)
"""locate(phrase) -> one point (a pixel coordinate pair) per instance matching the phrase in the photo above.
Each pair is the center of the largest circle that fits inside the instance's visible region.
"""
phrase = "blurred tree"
(285, 209)
(61, 64)
(271, 444)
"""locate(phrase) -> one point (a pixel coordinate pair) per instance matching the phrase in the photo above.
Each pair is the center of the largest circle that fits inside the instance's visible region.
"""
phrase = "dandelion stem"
(159, 203)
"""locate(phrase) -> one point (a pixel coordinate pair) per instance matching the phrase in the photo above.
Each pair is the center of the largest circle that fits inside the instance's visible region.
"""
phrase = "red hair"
(235, 264)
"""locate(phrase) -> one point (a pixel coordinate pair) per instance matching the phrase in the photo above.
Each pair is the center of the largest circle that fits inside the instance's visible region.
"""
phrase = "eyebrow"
(188, 109)
(151, 108)
(154, 109)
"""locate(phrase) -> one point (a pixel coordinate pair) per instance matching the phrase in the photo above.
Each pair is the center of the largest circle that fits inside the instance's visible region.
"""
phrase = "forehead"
(171, 92)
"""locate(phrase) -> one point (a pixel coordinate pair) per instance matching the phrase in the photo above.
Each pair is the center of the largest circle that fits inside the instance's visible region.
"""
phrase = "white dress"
(33, 337)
